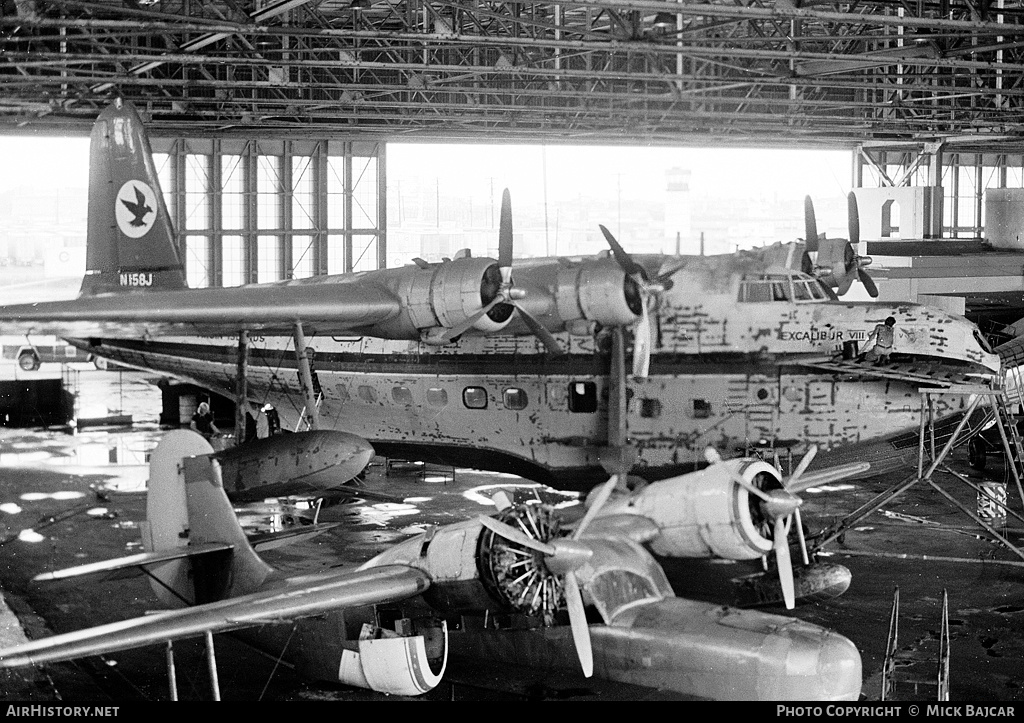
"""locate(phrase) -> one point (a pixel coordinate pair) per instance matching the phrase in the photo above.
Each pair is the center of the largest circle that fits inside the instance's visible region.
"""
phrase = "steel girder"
(618, 71)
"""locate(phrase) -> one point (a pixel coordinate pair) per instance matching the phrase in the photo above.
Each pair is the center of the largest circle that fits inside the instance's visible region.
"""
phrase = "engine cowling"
(442, 296)
(706, 514)
(835, 261)
(395, 664)
(473, 571)
(598, 291)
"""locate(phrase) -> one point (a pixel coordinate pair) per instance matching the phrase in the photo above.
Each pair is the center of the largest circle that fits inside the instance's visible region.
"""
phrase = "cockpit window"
(780, 287)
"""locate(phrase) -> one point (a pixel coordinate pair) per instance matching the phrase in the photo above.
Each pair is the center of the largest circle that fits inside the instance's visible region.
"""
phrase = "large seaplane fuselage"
(737, 361)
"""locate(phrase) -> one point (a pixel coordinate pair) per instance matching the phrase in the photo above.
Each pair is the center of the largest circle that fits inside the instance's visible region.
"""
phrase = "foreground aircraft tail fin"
(186, 506)
(131, 243)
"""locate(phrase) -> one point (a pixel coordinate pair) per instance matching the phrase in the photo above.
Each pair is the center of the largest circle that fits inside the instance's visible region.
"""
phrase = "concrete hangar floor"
(69, 498)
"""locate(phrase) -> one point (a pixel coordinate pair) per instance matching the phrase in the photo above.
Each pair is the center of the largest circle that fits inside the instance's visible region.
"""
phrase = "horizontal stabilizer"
(301, 597)
(271, 540)
(134, 561)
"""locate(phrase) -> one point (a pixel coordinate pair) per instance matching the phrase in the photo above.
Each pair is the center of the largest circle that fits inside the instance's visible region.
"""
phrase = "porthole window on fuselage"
(514, 398)
(402, 395)
(474, 397)
(437, 397)
(367, 393)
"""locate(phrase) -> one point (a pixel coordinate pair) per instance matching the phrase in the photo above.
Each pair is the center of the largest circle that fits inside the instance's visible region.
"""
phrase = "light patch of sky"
(44, 162)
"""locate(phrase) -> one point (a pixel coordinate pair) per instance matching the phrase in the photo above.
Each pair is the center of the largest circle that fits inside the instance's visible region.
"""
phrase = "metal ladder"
(908, 668)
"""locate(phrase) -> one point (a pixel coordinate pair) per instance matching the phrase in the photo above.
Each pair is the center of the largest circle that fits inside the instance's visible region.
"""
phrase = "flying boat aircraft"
(503, 364)
(523, 587)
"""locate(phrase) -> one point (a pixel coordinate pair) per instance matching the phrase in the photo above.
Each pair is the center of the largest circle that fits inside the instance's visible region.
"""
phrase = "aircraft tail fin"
(186, 506)
(131, 242)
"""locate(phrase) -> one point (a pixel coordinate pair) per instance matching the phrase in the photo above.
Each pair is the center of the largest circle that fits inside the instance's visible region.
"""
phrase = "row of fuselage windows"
(582, 398)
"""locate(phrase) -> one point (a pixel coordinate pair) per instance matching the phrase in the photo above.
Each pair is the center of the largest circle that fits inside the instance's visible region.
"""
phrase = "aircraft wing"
(323, 308)
(296, 598)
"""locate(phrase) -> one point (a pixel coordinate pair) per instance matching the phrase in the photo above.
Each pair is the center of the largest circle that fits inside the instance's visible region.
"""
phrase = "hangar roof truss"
(610, 71)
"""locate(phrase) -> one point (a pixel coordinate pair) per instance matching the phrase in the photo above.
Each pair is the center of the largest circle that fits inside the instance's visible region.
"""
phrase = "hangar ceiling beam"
(597, 71)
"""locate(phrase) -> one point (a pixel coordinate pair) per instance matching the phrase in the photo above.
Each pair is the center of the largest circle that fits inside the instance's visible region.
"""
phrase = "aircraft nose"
(349, 448)
(821, 663)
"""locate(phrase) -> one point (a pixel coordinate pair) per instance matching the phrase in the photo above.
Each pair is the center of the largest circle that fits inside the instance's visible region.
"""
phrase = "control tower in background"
(678, 213)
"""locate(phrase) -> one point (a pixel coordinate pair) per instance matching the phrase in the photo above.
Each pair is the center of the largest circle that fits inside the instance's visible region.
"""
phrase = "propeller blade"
(549, 341)
(578, 624)
(513, 535)
(829, 292)
(625, 261)
(798, 521)
(845, 284)
(853, 218)
(802, 467)
(810, 225)
(463, 327)
(505, 231)
(600, 497)
(868, 282)
(784, 562)
(643, 336)
(665, 277)
(827, 476)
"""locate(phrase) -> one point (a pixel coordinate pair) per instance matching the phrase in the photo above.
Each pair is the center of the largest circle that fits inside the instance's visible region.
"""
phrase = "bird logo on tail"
(135, 209)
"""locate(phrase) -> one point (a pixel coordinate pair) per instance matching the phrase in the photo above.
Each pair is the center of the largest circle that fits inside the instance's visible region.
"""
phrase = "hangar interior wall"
(262, 211)
(964, 178)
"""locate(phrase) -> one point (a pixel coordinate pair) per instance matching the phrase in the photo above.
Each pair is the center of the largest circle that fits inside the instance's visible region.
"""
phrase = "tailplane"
(131, 242)
(186, 508)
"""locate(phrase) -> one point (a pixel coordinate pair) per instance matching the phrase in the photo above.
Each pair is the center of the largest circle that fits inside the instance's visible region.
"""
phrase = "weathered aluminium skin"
(407, 398)
(731, 339)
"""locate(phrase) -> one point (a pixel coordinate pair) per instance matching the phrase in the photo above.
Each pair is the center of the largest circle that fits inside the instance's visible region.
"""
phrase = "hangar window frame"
(305, 192)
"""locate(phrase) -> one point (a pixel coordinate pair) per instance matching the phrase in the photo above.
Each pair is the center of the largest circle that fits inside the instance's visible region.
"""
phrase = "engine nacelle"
(397, 665)
(597, 291)
(706, 514)
(834, 261)
(443, 296)
(472, 570)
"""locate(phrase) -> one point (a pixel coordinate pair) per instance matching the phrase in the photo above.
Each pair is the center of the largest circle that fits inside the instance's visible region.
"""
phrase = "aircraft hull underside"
(414, 406)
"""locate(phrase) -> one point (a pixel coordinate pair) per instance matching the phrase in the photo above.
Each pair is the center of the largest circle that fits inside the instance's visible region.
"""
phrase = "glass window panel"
(197, 183)
(402, 395)
(302, 192)
(336, 254)
(268, 254)
(268, 191)
(302, 257)
(162, 161)
(514, 398)
(364, 249)
(232, 180)
(336, 192)
(367, 393)
(475, 397)
(364, 192)
(197, 255)
(437, 397)
(233, 261)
